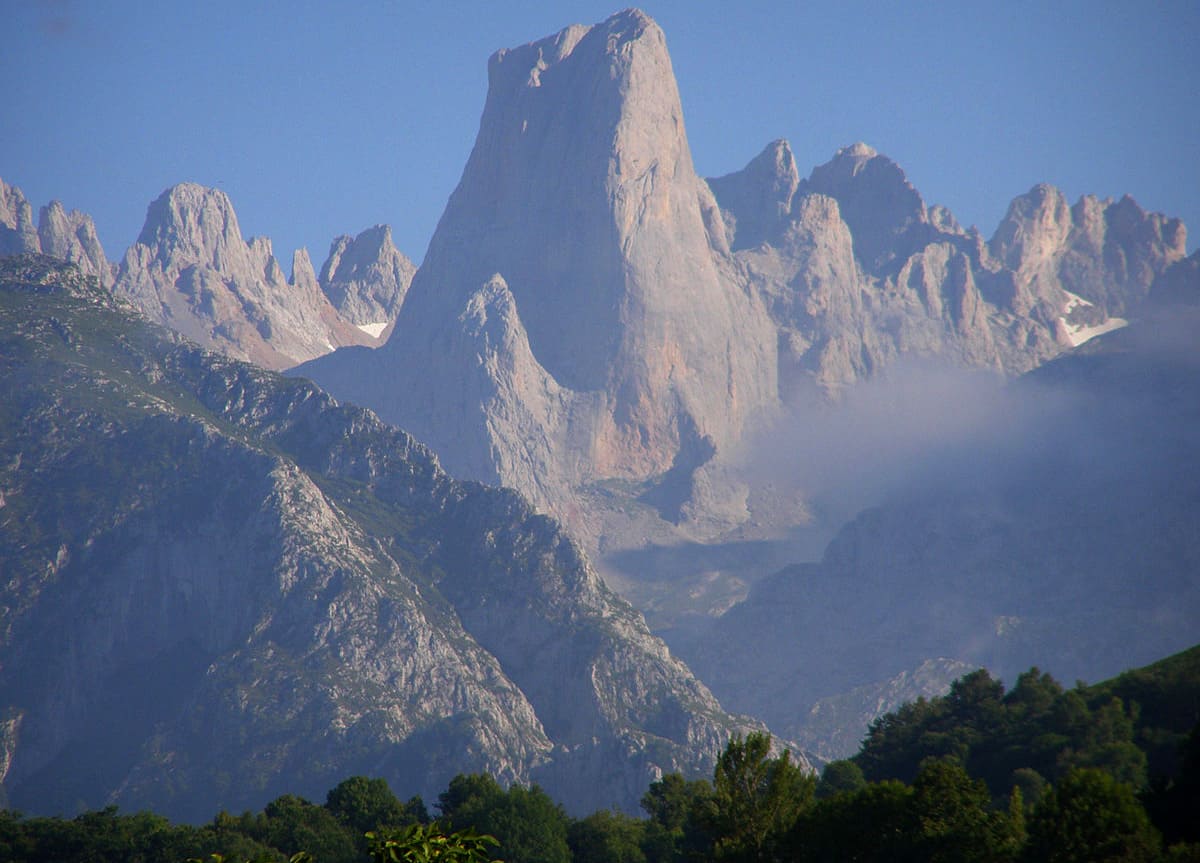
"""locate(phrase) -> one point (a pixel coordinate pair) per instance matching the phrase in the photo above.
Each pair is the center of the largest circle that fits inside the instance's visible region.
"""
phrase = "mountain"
(599, 328)
(857, 271)
(1068, 536)
(366, 278)
(191, 270)
(69, 236)
(18, 233)
(221, 585)
(571, 321)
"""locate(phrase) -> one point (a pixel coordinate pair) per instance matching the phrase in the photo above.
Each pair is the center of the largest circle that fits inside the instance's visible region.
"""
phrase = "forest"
(1038, 772)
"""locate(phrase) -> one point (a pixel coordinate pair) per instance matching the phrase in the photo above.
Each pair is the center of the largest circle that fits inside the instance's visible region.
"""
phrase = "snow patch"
(373, 330)
(1077, 334)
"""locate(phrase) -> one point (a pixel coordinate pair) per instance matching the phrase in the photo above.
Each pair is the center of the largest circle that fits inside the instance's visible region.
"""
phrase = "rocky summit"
(191, 270)
(221, 585)
(591, 315)
(366, 278)
(575, 284)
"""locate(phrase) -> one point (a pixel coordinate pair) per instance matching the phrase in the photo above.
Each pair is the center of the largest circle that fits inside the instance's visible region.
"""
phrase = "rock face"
(857, 271)
(366, 278)
(641, 321)
(1072, 543)
(191, 270)
(208, 565)
(18, 234)
(72, 237)
(631, 343)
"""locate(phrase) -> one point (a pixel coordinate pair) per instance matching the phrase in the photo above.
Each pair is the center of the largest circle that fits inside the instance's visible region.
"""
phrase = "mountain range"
(222, 585)
(648, 361)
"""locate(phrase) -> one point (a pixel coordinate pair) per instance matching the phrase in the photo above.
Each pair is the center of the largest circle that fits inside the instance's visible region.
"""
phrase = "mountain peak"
(192, 220)
(755, 200)
(877, 201)
(858, 151)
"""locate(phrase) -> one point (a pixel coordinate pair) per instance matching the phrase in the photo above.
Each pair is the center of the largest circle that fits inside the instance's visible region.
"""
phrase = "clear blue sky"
(321, 119)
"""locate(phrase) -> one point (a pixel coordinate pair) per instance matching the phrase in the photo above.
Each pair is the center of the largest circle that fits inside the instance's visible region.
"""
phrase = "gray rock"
(18, 234)
(580, 193)
(366, 278)
(211, 565)
(72, 237)
(191, 270)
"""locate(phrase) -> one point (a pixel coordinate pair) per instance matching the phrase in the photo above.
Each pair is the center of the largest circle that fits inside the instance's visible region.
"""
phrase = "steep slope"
(18, 233)
(857, 271)
(190, 270)
(221, 585)
(1070, 539)
(366, 278)
(580, 196)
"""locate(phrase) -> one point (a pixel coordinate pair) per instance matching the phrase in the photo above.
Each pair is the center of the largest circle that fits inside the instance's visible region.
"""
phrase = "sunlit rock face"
(366, 278)
(206, 564)
(71, 236)
(631, 339)
(18, 233)
(191, 270)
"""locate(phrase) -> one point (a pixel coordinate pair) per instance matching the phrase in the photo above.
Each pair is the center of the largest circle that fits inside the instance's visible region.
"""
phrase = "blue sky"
(321, 119)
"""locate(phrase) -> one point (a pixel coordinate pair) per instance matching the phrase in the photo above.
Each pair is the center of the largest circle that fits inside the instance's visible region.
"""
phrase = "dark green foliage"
(428, 843)
(672, 832)
(607, 837)
(756, 800)
(1089, 817)
(1035, 733)
(529, 825)
(293, 824)
(839, 777)
(868, 825)
(364, 805)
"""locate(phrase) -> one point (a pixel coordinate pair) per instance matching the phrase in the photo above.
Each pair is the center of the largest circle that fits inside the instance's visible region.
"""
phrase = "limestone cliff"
(208, 565)
(18, 233)
(366, 278)
(191, 270)
(581, 197)
(71, 236)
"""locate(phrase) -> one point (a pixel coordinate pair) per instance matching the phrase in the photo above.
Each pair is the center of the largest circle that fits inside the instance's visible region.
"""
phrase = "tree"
(674, 804)
(756, 799)
(529, 825)
(364, 805)
(607, 837)
(952, 818)
(839, 777)
(871, 825)
(1089, 817)
(428, 843)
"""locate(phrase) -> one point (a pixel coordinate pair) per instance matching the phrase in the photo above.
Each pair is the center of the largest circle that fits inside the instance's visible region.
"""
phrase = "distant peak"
(857, 150)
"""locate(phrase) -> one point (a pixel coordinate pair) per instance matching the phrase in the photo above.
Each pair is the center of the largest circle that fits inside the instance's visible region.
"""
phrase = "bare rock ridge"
(857, 271)
(650, 318)
(270, 579)
(69, 236)
(18, 233)
(581, 196)
(191, 270)
(366, 278)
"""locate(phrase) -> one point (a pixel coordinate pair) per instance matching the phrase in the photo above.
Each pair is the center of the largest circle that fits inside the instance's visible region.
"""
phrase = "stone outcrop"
(18, 233)
(71, 236)
(191, 270)
(206, 564)
(1107, 252)
(1068, 540)
(580, 195)
(857, 271)
(366, 278)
